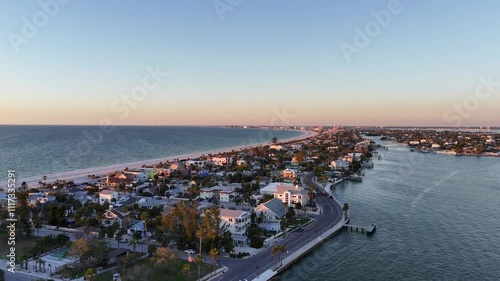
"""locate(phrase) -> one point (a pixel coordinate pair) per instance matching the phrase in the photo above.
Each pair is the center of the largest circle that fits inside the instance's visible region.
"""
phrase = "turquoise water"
(40, 150)
(436, 215)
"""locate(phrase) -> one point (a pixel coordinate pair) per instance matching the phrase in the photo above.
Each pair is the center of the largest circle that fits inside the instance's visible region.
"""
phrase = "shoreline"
(80, 175)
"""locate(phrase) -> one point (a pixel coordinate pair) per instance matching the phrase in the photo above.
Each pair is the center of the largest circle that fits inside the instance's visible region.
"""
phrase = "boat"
(356, 178)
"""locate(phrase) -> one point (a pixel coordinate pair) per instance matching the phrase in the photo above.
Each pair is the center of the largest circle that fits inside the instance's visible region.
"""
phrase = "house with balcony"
(289, 174)
(235, 221)
(340, 165)
(290, 194)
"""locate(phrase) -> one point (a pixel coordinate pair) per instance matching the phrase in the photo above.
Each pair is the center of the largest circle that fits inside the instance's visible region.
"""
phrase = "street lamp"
(50, 270)
(257, 268)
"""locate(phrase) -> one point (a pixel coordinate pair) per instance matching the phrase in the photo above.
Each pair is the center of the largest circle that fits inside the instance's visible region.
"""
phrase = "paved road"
(249, 268)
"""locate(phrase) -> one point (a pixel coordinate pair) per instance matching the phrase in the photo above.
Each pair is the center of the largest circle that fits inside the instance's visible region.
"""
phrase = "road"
(250, 268)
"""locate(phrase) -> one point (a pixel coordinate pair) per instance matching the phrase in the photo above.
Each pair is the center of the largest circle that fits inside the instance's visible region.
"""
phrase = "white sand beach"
(81, 175)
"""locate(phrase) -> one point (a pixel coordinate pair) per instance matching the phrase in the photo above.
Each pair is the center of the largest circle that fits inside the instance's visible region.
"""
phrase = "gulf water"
(40, 150)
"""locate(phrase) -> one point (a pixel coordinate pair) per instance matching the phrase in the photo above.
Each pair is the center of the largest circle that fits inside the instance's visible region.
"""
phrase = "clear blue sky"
(262, 57)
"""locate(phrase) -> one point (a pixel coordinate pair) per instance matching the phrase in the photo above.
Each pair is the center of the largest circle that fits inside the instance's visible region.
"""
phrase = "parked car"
(189, 251)
(124, 240)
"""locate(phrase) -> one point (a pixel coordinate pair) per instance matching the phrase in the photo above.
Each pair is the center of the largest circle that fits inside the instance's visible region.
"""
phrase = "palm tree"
(186, 270)
(133, 243)
(278, 250)
(345, 209)
(214, 254)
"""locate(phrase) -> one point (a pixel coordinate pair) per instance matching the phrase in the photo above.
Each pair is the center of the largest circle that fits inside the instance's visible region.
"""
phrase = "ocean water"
(40, 150)
(437, 218)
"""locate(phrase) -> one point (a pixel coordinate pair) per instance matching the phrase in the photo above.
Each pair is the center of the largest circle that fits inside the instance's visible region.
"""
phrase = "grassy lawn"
(161, 274)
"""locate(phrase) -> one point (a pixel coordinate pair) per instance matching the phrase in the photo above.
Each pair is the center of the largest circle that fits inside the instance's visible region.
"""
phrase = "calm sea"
(40, 150)
(437, 218)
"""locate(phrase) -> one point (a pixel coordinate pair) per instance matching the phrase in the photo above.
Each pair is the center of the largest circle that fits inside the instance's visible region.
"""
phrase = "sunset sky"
(252, 64)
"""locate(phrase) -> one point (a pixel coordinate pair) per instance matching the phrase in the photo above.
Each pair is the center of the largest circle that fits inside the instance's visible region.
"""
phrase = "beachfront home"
(221, 161)
(270, 188)
(339, 165)
(120, 178)
(141, 175)
(276, 147)
(289, 174)
(236, 221)
(194, 163)
(39, 198)
(107, 196)
(271, 211)
(290, 194)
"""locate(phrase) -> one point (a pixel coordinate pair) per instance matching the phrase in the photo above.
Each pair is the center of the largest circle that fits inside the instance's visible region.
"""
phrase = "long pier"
(368, 229)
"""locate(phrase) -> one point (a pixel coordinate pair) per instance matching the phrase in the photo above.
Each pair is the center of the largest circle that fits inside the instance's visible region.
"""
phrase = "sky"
(284, 62)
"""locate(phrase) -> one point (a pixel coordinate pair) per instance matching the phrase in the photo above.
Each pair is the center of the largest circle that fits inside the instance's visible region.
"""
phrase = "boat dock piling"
(368, 229)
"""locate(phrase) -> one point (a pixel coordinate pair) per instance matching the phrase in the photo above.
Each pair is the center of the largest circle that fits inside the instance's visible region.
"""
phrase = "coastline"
(80, 175)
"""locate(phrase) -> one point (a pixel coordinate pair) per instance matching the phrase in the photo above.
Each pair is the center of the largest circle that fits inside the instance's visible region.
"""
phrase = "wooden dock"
(368, 229)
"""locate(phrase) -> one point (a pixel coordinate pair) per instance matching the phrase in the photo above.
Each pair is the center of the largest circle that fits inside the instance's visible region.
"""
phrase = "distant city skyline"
(282, 63)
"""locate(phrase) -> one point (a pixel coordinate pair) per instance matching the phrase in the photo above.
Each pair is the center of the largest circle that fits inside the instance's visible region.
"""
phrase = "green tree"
(345, 208)
(277, 251)
(90, 274)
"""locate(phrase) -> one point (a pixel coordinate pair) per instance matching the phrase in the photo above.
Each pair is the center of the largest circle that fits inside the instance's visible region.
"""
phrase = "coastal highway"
(249, 268)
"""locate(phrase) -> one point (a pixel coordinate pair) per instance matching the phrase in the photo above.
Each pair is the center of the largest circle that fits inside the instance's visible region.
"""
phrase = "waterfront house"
(221, 161)
(195, 163)
(271, 211)
(107, 196)
(235, 221)
(39, 198)
(276, 147)
(339, 165)
(290, 194)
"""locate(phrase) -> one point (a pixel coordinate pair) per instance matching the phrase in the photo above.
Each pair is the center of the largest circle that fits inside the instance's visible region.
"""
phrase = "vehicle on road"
(124, 240)
(189, 251)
